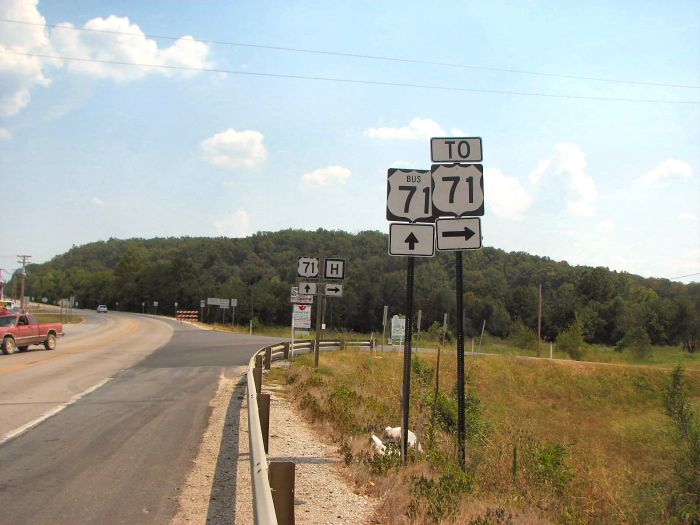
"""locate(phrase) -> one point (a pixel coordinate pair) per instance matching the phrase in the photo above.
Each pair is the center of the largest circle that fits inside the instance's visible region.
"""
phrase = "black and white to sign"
(408, 196)
(458, 189)
(334, 269)
(459, 234)
(334, 290)
(417, 240)
(456, 149)
(307, 267)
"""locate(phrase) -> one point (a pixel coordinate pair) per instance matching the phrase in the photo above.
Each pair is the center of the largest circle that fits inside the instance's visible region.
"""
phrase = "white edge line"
(21, 430)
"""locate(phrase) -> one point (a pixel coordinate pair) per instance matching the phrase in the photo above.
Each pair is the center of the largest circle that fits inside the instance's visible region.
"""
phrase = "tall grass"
(549, 441)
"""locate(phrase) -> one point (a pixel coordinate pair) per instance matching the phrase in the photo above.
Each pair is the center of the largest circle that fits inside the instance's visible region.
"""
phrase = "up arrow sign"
(307, 288)
(416, 240)
(459, 234)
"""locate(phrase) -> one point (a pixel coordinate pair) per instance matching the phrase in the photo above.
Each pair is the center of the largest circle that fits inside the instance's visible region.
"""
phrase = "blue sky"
(91, 150)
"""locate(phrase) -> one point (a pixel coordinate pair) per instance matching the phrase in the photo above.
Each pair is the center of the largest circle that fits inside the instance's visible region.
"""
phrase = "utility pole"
(539, 322)
(24, 259)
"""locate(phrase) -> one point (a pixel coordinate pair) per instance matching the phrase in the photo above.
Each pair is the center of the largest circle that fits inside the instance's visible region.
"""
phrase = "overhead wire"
(360, 55)
(350, 80)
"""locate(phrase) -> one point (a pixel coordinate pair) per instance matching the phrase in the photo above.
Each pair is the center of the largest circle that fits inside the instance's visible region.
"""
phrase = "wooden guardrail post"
(268, 358)
(257, 373)
(286, 349)
(264, 416)
(281, 476)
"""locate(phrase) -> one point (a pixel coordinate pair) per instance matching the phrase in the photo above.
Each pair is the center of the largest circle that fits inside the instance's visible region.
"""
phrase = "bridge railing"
(273, 482)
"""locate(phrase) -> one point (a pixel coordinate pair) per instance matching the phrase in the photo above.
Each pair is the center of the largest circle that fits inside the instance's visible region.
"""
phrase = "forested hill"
(500, 288)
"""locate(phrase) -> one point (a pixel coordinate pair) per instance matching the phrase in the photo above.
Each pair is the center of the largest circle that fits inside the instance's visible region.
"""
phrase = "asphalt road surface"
(105, 428)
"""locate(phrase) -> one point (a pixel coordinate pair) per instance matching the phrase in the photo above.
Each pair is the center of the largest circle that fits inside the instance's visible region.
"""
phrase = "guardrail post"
(257, 373)
(281, 476)
(268, 358)
(264, 416)
(286, 350)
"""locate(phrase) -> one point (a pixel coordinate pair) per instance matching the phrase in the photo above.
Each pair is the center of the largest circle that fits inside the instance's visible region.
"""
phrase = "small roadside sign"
(223, 303)
(234, 303)
(459, 234)
(307, 267)
(456, 149)
(408, 196)
(301, 316)
(308, 288)
(297, 298)
(334, 269)
(201, 303)
(417, 240)
(212, 301)
(458, 189)
(334, 290)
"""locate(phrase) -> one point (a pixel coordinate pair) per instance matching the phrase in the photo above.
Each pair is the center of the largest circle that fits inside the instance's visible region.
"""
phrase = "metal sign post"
(461, 425)
(406, 394)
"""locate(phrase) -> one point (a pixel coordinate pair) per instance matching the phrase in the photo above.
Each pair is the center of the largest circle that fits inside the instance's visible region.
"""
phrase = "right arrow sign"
(459, 234)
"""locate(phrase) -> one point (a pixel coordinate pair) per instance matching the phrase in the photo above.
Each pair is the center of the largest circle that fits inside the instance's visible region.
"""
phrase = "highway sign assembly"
(334, 290)
(334, 269)
(308, 267)
(416, 240)
(456, 149)
(458, 189)
(459, 234)
(408, 196)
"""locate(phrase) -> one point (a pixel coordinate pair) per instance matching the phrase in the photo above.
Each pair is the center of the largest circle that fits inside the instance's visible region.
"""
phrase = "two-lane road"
(119, 453)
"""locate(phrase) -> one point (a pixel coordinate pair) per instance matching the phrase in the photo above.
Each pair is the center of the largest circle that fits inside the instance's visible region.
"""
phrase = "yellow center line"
(132, 327)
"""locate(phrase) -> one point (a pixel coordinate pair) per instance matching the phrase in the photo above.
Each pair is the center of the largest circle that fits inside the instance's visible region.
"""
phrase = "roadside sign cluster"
(448, 200)
(221, 303)
(313, 268)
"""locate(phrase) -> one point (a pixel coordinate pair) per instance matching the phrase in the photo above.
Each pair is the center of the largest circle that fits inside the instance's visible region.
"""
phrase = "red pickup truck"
(18, 331)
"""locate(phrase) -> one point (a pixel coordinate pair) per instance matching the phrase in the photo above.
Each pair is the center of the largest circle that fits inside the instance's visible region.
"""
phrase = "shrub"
(439, 498)
(523, 337)
(637, 340)
(571, 341)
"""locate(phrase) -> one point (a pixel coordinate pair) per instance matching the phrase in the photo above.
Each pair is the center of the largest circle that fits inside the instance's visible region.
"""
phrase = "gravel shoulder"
(323, 496)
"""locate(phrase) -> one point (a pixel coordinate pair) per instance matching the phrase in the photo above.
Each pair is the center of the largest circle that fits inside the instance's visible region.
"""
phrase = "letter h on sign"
(334, 269)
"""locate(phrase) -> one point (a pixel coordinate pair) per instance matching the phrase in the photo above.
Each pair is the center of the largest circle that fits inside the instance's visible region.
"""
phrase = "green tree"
(571, 340)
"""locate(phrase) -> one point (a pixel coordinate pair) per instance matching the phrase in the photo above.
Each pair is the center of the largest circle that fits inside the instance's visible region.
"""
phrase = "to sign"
(408, 196)
(307, 267)
(458, 189)
(334, 269)
(459, 234)
(412, 239)
(456, 149)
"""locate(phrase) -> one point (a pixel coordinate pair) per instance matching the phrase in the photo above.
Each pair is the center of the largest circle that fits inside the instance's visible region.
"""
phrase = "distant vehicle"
(19, 331)
(102, 309)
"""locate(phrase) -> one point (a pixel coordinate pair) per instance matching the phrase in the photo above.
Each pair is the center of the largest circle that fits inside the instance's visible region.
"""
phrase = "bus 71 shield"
(409, 196)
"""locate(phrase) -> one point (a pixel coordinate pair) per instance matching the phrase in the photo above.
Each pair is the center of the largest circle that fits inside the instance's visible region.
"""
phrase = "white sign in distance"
(223, 303)
(308, 267)
(301, 316)
(155, 303)
(459, 234)
(398, 327)
(458, 189)
(234, 303)
(201, 303)
(417, 240)
(296, 297)
(334, 290)
(334, 269)
(307, 288)
(212, 301)
(408, 196)
(456, 149)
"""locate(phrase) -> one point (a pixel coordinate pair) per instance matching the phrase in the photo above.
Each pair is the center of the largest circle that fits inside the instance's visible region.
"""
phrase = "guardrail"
(278, 477)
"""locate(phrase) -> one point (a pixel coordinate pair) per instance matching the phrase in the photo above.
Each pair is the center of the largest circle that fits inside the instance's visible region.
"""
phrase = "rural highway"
(105, 428)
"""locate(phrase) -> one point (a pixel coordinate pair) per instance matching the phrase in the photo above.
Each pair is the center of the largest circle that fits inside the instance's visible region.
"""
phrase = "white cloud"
(5, 134)
(325, 177)
(505, 196)
(97, 201)
(418, 128)
(235, 225)
(669, 168)
(233, 149)
(19, 74)
(134, 48)
(688, 217)
(570, 161)
(606, 226)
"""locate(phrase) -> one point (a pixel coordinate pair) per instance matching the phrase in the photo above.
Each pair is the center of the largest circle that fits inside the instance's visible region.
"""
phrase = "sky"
(160, 118)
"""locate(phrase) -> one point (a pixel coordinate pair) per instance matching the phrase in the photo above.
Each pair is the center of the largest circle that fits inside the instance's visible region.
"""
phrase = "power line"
(362, 56)
(350, 80)
(682, 276)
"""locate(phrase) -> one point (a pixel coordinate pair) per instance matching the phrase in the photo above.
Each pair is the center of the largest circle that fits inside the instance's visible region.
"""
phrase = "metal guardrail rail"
(264, 512)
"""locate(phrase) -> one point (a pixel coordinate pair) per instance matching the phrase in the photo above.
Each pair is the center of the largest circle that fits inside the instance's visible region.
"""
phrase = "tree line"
(500, 288)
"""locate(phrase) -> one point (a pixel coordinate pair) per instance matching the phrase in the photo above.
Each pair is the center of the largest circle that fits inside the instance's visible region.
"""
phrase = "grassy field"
(57, 318)
(549, 441)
